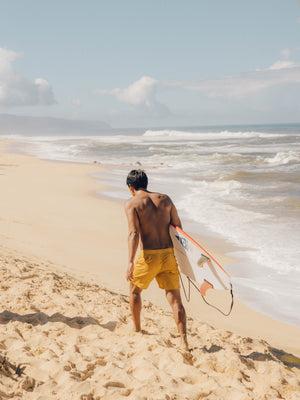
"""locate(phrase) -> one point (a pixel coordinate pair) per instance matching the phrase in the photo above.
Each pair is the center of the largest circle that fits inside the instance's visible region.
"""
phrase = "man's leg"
(175, 302)
(136, 306)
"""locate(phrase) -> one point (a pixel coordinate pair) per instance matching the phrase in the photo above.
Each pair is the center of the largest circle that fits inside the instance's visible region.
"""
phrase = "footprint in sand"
(28, 384)
(89, 397)
(115, 384)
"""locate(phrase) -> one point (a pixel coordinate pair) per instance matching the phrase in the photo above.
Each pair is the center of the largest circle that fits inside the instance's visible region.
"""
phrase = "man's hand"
(129, 273)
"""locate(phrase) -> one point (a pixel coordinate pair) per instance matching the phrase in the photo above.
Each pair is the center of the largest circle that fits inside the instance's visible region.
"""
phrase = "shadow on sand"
(40, 318)
(289, 360)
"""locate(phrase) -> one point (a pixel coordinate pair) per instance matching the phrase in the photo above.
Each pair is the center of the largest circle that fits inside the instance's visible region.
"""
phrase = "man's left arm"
(175, 220)
(133, 237)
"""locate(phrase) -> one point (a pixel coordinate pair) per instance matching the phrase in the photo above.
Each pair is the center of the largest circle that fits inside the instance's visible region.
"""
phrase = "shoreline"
(49, 211)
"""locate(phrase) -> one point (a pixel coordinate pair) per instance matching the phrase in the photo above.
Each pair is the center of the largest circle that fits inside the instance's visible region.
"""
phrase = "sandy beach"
(66, 329)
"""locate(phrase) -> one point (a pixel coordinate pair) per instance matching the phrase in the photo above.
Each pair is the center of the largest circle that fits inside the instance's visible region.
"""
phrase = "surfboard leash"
(205, 301)
(188, 298)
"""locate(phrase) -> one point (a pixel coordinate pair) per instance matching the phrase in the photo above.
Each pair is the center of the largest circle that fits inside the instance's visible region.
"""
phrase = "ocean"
(240, 183)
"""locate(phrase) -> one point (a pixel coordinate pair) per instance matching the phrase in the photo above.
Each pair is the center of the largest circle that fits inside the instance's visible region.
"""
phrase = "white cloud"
(256, 87)
(141, 93)
(282, 65)
(243, 85)
(17, 90)
(285, 53)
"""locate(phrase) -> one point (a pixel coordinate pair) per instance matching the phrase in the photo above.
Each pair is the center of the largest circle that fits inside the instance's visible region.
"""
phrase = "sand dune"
(62, 338)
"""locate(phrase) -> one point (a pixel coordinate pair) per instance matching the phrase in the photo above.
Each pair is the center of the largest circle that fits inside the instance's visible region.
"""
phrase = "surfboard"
(197, 264)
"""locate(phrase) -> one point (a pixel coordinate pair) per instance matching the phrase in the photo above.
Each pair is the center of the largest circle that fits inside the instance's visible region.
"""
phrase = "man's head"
(137, 179)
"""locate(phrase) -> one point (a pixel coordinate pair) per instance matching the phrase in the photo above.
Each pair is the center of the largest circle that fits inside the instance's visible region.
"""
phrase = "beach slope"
(64, 338)
(65, 324)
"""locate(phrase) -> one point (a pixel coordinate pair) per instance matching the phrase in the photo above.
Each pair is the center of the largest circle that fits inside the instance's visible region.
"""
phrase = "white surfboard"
(197, 264)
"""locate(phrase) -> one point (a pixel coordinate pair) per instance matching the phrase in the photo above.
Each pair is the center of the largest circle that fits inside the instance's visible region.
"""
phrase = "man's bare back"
(154, 212)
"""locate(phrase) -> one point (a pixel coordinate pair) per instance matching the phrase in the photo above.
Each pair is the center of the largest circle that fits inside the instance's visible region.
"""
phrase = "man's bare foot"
(141, 331)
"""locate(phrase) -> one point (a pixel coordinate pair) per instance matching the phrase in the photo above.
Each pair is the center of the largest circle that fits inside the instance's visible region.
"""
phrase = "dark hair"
(137, 179)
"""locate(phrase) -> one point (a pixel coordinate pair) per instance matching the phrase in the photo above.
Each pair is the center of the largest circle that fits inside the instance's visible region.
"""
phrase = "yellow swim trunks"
(159, 264)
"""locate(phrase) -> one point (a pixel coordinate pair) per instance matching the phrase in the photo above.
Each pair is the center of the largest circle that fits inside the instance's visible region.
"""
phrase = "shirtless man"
(149, 216)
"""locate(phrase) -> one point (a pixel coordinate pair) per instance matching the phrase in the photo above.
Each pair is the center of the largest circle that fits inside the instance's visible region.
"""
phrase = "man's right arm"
(133, 237)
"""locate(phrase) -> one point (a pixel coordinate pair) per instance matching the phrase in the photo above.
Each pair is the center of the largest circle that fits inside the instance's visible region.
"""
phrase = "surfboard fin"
(204, 287)
(202, 260)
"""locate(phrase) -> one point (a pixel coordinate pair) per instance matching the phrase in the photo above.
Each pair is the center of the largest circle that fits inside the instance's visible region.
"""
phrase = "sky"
(139, 63)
